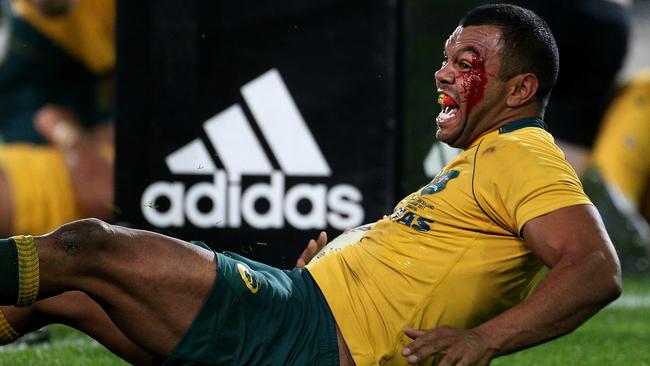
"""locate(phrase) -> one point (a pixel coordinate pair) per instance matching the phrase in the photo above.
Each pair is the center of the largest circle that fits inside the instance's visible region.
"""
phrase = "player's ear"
(521, 89)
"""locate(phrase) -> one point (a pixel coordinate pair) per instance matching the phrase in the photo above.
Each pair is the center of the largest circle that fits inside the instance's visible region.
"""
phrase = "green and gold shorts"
(259, 315)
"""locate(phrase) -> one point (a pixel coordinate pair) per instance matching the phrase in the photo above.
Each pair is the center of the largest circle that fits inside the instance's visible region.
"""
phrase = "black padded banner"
(253, 126)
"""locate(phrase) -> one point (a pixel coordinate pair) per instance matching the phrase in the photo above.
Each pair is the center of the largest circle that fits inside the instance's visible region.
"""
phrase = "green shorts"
(259, 315)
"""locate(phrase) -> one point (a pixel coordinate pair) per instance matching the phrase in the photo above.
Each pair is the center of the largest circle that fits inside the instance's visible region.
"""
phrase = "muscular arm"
(584, 277)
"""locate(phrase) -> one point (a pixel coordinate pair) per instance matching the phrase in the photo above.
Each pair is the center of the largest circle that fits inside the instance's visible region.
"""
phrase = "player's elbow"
(615, 287)
(612, 288)
(609, 279)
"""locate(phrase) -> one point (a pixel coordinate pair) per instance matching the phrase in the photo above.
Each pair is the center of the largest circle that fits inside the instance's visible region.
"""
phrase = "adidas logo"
(233, 202)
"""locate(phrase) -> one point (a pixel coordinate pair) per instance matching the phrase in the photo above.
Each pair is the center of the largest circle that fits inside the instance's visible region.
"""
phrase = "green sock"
(8, 272)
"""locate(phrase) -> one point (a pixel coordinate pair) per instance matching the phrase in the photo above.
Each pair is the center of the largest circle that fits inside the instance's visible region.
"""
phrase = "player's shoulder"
(519, 140)
(520, 152)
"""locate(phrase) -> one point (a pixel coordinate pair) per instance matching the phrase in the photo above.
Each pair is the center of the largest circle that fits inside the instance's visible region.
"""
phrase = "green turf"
(67, 347)
(618, 335)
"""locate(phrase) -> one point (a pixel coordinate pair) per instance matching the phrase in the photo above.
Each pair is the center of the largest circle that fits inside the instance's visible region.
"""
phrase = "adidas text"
(338, 206)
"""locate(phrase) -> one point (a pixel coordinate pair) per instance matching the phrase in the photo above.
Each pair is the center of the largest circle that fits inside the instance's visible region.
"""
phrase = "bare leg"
(90, 170)
(151, 286)
(77, 310)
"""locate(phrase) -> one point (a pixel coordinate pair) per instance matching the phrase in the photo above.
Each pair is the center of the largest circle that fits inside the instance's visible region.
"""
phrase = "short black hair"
(529, 45)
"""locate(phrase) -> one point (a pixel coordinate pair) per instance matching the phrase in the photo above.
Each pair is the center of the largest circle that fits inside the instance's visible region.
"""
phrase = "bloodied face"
(470, 91)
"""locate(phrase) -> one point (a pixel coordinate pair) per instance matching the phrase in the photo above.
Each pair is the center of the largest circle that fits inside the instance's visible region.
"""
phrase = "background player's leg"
(77, 310)
(91, 171)
(151, 286)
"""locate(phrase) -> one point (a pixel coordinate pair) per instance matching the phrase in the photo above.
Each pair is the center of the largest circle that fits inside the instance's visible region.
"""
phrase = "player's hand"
(457, 347)
(313, 247)
(58, 126)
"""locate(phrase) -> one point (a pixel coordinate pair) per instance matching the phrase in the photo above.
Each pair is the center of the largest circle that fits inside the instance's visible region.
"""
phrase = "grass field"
(618, 335)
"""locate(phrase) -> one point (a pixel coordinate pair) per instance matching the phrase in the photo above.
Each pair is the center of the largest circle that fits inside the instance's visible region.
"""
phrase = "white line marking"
(632, 301)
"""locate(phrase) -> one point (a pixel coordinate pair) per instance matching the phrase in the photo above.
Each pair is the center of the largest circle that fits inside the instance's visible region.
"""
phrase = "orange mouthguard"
(444, 99)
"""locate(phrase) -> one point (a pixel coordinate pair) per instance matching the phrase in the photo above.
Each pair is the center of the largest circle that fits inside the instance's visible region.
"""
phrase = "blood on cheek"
(473, 83)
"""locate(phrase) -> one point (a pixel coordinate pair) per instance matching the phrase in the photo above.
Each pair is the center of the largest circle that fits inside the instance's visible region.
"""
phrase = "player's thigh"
(151, 285)
(166, 283)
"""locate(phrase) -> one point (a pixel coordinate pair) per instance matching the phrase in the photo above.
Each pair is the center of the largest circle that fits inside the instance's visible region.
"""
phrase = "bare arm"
(584, 277)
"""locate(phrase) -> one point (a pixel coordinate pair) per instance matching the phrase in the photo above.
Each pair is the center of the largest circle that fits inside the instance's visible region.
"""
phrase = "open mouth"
(449, 108)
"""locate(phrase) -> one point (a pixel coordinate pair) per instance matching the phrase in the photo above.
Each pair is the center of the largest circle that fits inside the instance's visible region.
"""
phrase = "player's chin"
(448, 129)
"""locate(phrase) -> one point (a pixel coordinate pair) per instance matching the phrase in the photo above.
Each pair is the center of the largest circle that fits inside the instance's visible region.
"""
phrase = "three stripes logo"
(242, 155)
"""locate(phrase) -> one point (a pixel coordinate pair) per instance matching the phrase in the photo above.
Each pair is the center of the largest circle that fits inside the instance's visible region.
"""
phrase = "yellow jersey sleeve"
(87, 31)
(522, 175)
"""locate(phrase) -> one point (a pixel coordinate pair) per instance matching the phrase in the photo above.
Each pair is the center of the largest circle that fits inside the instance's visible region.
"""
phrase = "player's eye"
(465, 65)
(445, 60)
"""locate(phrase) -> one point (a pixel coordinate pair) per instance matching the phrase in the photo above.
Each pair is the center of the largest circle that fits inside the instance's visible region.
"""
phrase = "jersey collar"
(526, 122)
(513, 126)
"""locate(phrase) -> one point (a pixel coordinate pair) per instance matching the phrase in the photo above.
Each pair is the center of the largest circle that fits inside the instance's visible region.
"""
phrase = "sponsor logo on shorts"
(234, 189)
(247, 276)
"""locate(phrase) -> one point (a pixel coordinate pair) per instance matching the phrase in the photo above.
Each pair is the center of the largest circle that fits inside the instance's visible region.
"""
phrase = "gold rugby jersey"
(451, 253)
(622, 150)
(86, 32)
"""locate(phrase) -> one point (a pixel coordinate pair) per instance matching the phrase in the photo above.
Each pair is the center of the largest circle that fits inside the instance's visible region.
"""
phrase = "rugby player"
(446, 278)
(622, 149)
(55, 114)
(618, 178)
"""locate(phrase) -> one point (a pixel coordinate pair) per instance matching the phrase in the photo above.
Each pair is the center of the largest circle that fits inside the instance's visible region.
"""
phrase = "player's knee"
(83, 236)
(71, 252)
